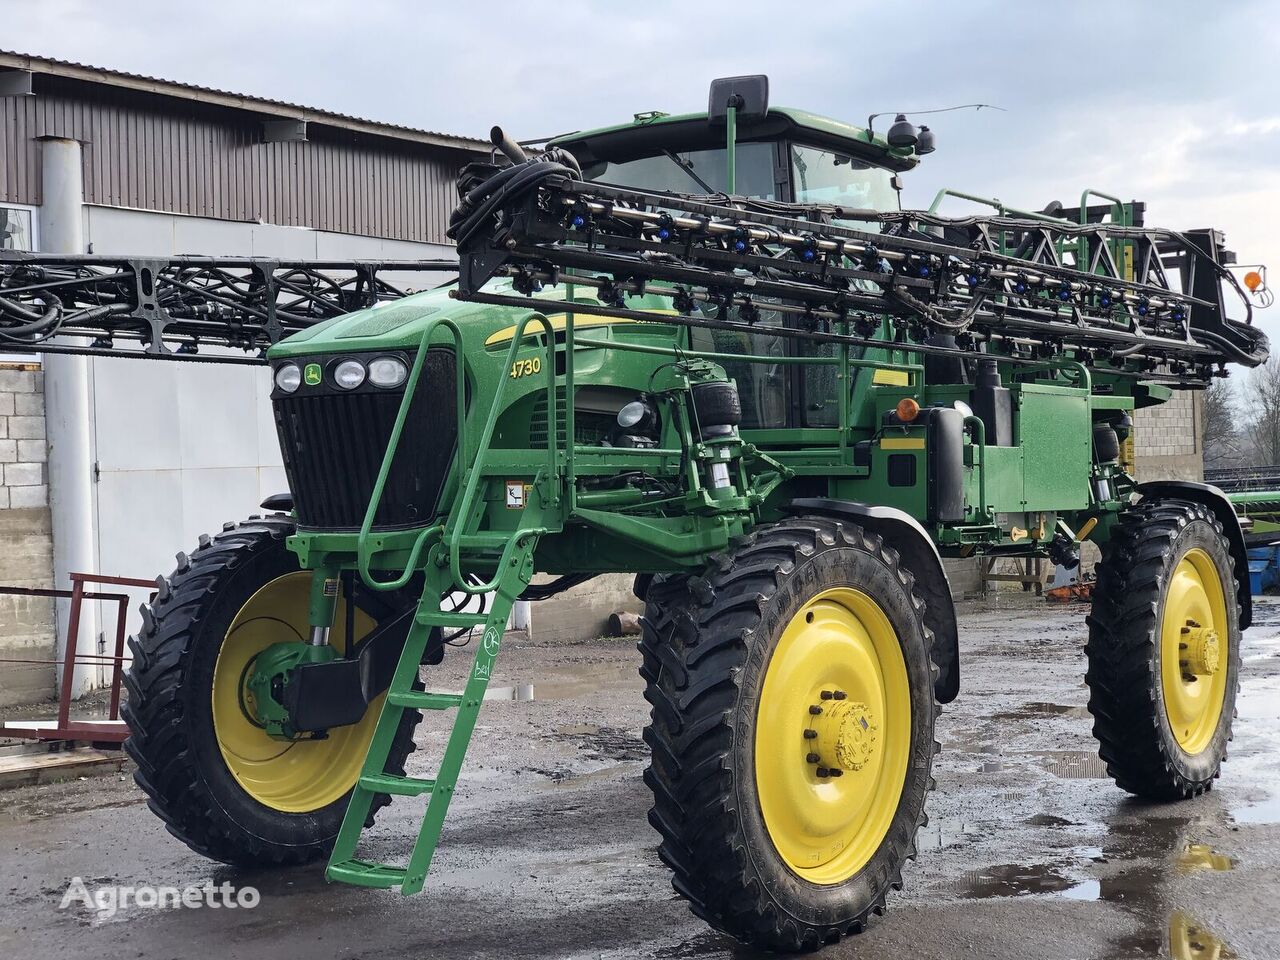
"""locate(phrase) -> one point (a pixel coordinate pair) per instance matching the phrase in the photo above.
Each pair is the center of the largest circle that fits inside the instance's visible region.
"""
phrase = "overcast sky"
(1173, 102)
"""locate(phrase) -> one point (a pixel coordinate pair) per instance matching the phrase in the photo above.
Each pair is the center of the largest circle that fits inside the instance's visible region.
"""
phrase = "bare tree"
(1222, 446)
(1263, 412)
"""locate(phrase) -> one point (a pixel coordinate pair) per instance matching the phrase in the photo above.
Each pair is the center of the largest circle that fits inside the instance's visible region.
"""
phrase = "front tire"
(220, 784)
(1164, 650)
(792, 731)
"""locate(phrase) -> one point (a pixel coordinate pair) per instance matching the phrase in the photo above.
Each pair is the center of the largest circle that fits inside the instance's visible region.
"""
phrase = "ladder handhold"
(396, 784)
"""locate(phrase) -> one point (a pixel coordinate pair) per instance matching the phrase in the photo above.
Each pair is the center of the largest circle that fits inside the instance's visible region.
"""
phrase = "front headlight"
(387, 372)
(349, 374)
(289, 377)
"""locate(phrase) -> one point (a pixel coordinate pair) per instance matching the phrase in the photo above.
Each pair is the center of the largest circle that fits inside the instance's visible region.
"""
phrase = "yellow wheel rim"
(1194, 651)
(298, 776)
(835, 688)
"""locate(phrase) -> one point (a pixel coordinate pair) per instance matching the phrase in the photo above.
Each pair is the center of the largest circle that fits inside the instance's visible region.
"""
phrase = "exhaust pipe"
(508, 146)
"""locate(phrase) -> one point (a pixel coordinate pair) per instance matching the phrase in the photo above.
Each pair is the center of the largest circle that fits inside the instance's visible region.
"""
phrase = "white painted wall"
(183, 447)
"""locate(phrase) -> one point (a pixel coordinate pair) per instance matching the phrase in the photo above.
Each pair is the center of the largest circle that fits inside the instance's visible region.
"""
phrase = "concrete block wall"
(23, 452)
(26, 560)
(1167, 440)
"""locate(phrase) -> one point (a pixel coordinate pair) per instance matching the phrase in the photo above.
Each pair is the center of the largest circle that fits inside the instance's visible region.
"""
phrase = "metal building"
(110, 465)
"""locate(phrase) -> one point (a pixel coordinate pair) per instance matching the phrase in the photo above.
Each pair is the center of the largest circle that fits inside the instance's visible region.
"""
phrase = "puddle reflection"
(1188, 940)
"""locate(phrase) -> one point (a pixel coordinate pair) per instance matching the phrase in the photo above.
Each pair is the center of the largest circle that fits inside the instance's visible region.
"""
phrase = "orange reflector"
(908, 409)
(1253, 280)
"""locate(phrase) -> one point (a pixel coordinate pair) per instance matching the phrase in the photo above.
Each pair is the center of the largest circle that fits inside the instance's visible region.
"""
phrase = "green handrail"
(363, 558)
(452, 530)
(1118, 216)
(990, 202)
(456, 524)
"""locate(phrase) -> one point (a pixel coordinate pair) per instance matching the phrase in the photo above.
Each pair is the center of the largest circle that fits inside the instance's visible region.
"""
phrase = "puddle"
(1188, 940)
(939, 834)
(1039, 709)
(1200, 856)
(1049, 820)
(1074, 764)
(521, 692)
(1067, 764)
(1015, 880)
(585, 679)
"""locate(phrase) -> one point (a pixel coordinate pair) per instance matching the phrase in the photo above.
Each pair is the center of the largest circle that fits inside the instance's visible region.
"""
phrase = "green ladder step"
(514, 572)
(365, 873)
(425, 701)
(398, 785)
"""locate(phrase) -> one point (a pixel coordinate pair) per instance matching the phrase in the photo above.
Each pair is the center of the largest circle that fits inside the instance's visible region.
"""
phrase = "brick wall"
(26, 560)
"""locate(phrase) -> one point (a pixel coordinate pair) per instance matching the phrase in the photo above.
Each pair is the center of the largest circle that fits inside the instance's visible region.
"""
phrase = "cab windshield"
(781, 395)
(822, 176)
(694, 171)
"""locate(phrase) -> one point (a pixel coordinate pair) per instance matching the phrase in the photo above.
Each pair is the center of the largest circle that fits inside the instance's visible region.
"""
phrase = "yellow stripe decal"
(902, 443)
(558, 320)
(891, 378)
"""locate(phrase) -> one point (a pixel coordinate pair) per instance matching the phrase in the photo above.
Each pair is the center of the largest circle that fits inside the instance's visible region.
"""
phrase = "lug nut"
(815, 710)
(823, 772)
(840, 695)
(811, 734)
(826, 695)
(835, 772)
(812, 758)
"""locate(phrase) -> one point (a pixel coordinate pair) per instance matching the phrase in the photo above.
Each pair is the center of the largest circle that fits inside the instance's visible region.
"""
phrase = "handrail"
(402, 415)
(979, 428)
(1118, 217)
(591, 343)
(1115, 202)
(989, 202)
(453, 536)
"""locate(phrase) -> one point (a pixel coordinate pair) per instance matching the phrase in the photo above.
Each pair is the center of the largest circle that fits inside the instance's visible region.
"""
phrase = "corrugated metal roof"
(262, 105)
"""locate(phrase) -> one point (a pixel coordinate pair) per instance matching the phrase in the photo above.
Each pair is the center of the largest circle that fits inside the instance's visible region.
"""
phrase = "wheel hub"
(843, 735)
(1199, 650)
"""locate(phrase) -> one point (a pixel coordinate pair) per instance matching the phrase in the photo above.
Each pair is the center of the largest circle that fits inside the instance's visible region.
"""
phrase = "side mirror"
(749, 95)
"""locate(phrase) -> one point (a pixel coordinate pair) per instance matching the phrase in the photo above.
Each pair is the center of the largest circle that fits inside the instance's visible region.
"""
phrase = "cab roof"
(648, 133)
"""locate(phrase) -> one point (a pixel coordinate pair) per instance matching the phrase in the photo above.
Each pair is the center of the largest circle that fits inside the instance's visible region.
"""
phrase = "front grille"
(333, 443)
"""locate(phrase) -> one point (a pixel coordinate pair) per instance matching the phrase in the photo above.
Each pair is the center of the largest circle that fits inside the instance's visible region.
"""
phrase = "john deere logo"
(312, 374)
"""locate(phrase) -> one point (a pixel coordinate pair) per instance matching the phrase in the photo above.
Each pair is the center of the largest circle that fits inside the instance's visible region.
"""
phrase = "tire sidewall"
(269, 561)
(1205, 535)
(835, 566)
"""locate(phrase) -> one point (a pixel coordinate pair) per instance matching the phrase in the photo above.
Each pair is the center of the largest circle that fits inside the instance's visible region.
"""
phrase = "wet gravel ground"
(1030, 852)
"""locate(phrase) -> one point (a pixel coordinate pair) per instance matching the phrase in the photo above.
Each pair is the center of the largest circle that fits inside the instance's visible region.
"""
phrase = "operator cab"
(785, 155)
(782, 155)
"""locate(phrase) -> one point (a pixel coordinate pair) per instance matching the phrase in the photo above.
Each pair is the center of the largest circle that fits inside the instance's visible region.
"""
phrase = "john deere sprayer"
(711, 351)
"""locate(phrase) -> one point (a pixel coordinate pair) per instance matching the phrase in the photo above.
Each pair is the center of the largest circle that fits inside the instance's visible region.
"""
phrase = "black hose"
(477, 209)
(36, 323)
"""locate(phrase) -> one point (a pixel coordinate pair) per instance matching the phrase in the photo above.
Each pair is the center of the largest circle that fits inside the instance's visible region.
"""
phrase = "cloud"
(1173, 105)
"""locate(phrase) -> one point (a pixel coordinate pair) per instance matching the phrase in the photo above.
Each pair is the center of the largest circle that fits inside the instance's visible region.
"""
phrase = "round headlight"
(349, 374)
(387, 372)
(289, 377)
(632, 414)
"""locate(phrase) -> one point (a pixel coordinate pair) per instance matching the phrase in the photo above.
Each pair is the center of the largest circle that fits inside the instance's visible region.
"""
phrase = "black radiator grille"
(333, 443)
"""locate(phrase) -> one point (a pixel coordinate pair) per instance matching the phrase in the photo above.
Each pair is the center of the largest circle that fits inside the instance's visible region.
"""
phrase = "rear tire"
(734, 792)
(250, 814)
(1164, 650)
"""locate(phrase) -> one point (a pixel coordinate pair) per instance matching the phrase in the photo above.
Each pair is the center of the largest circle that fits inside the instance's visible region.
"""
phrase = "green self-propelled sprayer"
(713, 352)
